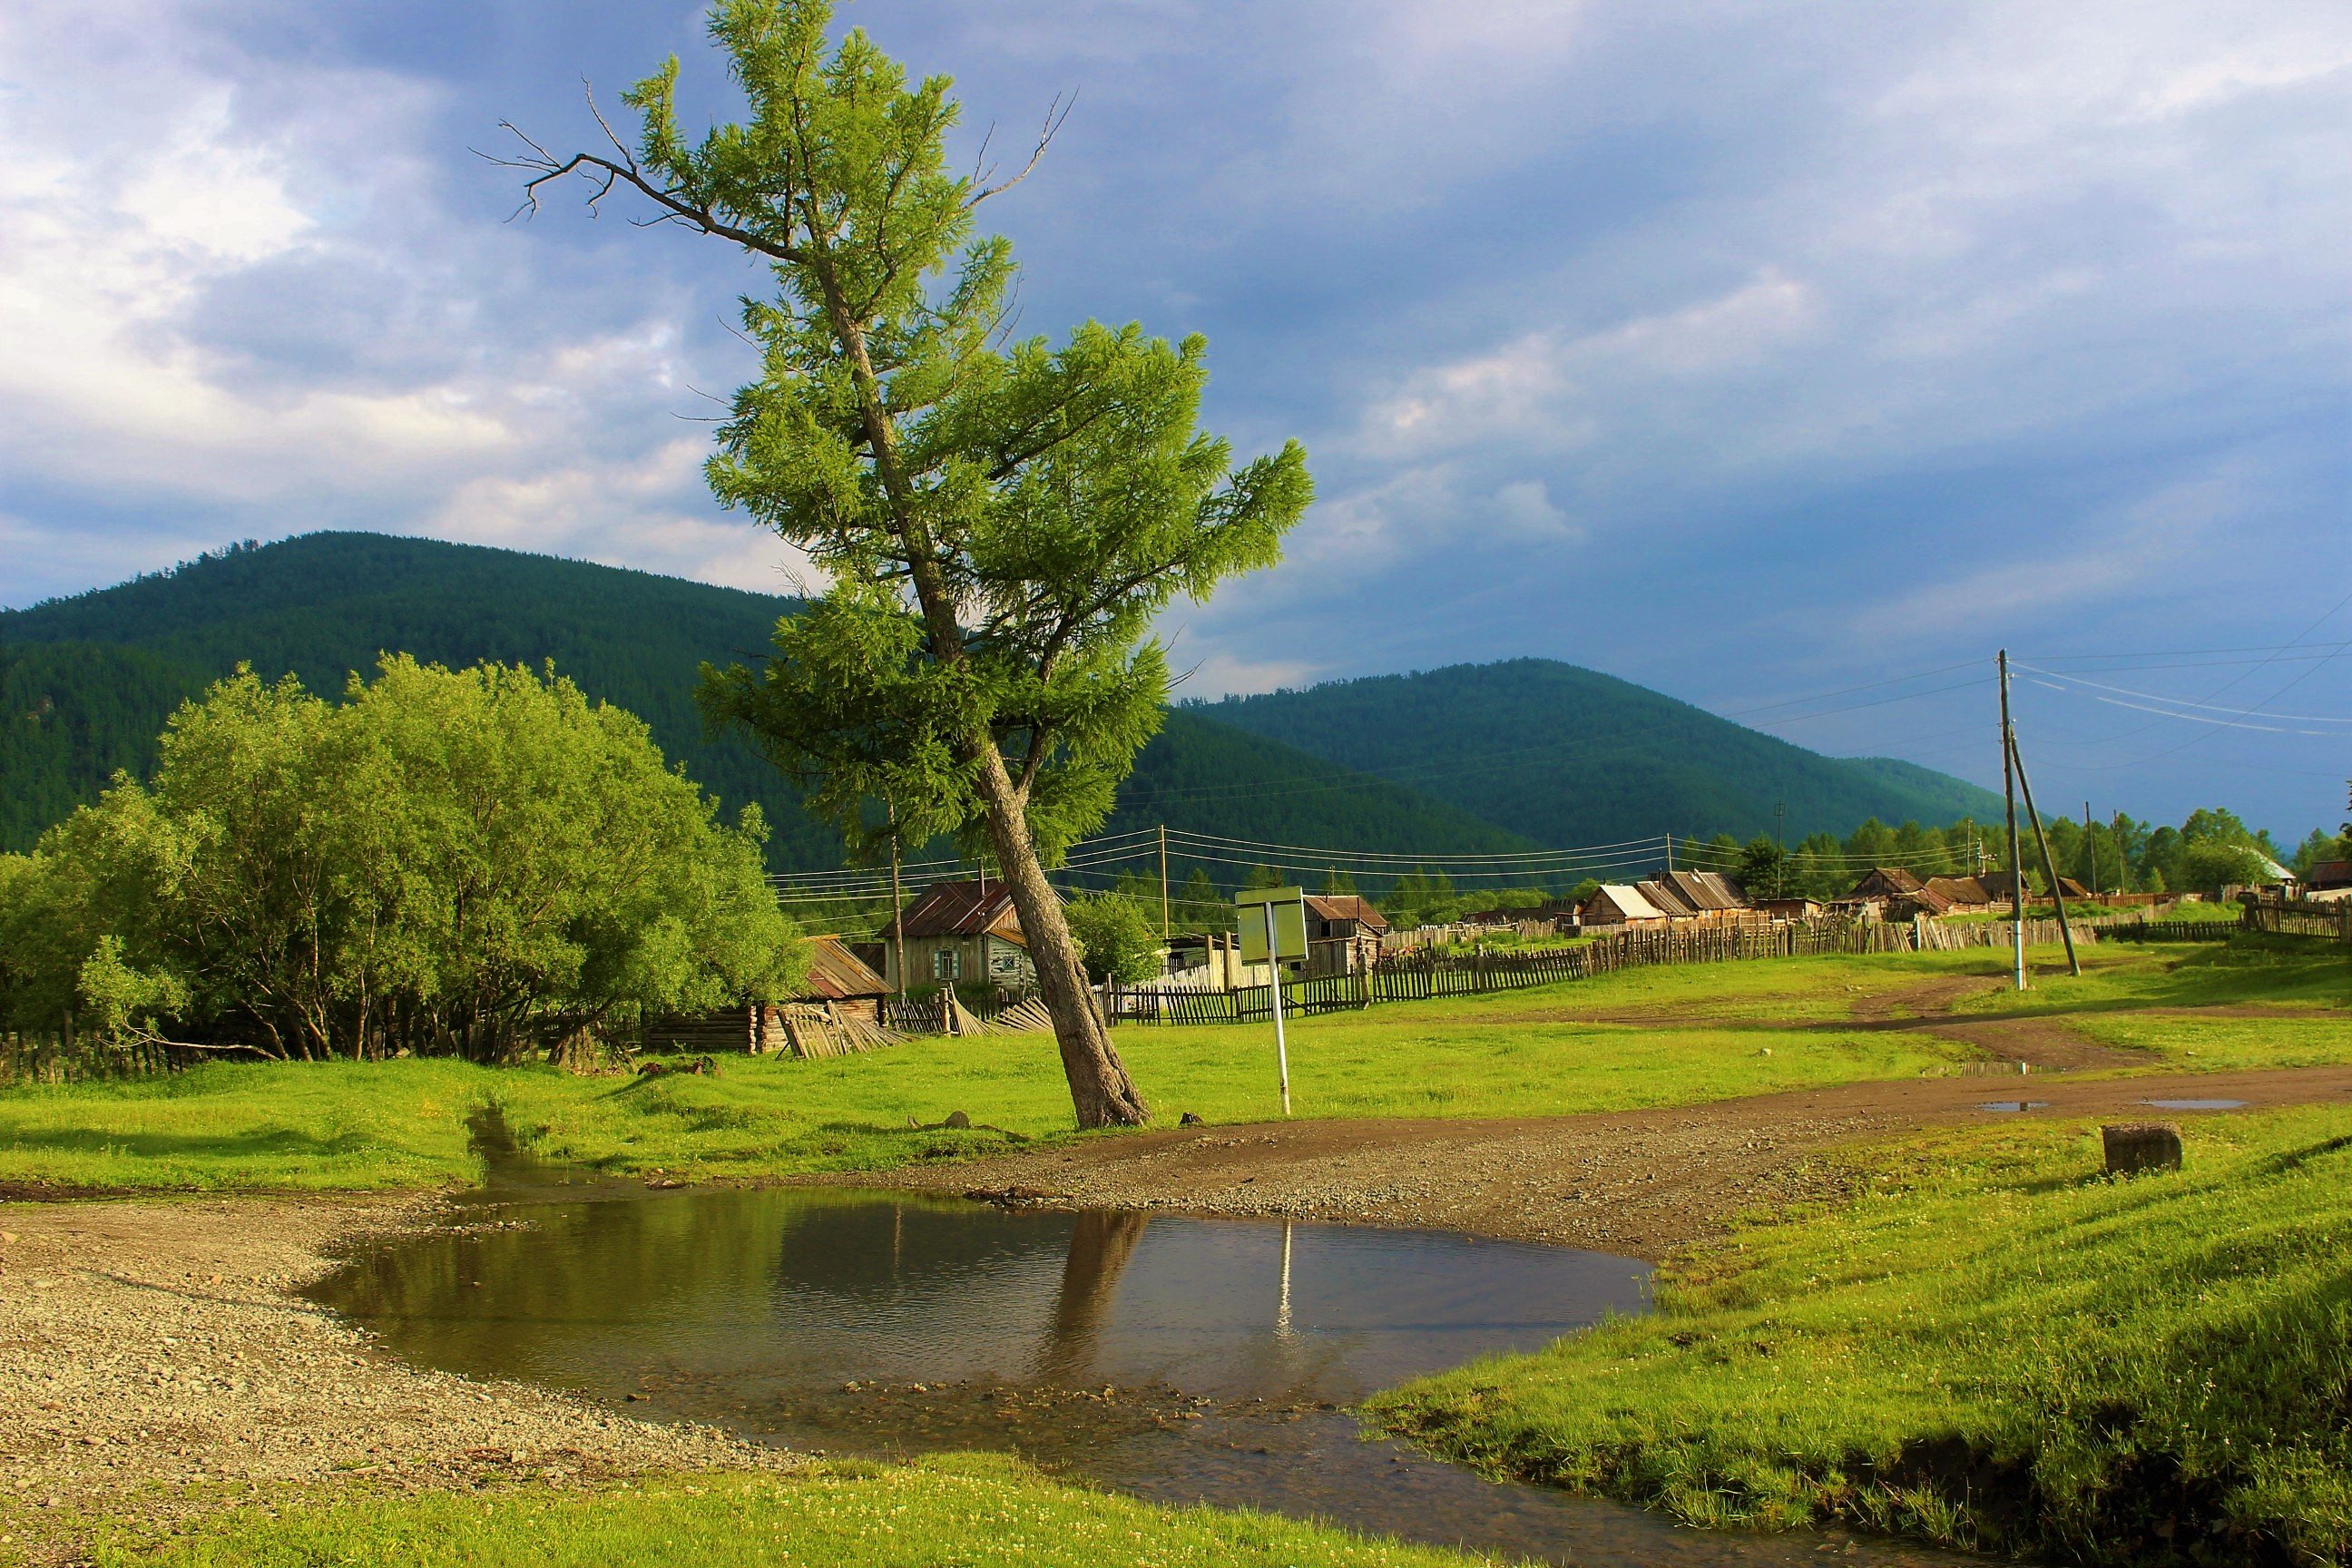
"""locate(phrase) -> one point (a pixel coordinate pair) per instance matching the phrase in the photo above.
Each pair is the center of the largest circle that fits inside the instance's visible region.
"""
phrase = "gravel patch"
(154, 1357)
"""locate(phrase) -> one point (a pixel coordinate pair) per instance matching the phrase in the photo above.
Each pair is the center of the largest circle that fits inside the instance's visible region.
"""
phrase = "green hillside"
(1569, 756)
(86, 684)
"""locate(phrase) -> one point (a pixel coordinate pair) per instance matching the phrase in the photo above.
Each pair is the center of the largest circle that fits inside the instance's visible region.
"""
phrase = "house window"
(946, 963)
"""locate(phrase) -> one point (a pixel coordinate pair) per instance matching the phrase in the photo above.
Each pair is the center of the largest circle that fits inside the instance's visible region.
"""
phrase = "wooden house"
(957, 932)
(1791, 908)
(1961, 895)
(2001, 887)
(1343, 933)
(1614, 904)
(1885, 883)
(1699, 895)
(1666, 897)
(841, 981)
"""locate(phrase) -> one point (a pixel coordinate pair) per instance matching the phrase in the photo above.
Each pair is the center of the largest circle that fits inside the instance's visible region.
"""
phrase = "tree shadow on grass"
(280, 1142)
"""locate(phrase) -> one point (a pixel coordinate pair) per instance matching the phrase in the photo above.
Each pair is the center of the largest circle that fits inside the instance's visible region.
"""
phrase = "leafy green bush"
(1116, 936)
(437, 863)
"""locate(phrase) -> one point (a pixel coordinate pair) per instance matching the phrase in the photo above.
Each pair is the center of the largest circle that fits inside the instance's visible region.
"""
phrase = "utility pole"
(2057, 894)
(1781, 837)
(2016, 850)
(1670, 852)
(2091, 841)
(1163, 885)
(898, 906)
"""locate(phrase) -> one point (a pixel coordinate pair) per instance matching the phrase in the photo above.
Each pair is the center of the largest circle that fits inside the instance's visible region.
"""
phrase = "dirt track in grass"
(1643, 1183)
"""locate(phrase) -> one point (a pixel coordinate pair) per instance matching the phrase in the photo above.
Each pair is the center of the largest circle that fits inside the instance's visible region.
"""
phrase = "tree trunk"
(1100, 1090)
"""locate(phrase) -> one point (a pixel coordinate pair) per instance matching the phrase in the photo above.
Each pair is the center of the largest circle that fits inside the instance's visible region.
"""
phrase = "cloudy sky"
(1787, 358)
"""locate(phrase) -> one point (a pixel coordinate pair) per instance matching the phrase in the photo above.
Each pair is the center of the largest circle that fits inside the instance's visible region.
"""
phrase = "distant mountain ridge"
(1472, 760)
(88, 681)
(1566, 755)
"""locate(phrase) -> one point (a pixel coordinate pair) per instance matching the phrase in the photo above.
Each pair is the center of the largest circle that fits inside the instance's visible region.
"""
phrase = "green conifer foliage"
(999, 521)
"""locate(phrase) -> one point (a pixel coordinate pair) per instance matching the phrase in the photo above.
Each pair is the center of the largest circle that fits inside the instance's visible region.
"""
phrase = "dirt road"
(1642, 1182)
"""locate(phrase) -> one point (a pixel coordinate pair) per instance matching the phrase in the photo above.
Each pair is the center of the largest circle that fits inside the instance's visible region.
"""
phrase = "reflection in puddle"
(2014, 1105)
(1180, 1360)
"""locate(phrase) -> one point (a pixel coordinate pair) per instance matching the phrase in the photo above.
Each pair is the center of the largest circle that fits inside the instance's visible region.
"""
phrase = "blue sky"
(1753, 353)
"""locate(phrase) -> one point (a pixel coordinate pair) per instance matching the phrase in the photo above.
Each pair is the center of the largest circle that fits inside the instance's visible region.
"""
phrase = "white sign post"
(1273, 923)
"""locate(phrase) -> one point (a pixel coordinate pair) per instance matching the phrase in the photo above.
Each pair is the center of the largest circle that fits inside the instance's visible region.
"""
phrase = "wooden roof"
(1887, 881)
(837, 975)
(1664, 897)
(1705, 891)
(1346, 907)
(2329, 873)
(966, 908)
(1960, 890)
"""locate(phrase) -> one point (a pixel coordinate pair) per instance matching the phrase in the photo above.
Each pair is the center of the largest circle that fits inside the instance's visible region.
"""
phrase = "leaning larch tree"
(998, 521)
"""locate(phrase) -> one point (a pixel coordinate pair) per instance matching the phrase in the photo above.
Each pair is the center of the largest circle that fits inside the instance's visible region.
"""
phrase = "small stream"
(1175, 1359)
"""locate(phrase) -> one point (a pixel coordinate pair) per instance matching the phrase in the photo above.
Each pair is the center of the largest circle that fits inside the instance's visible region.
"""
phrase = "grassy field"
(971, 1511)
(402, 1123)
(2256, 1002)
(1994, 1347)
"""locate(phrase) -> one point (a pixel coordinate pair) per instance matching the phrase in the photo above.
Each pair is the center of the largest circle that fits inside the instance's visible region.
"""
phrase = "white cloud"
(1525, 508)
(1223, 674)
(233, 289)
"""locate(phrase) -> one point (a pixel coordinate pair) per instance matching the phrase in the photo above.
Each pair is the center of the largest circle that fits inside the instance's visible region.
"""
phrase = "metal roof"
(1346, 907)
(1629, 902)
(965, 907)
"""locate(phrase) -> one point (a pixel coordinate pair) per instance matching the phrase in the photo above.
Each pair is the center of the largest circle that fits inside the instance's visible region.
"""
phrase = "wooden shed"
(1343, 933)
(839, 991)
(1616, 904)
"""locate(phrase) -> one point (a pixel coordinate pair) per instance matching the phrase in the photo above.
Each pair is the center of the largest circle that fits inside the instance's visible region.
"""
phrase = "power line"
(2185, 702)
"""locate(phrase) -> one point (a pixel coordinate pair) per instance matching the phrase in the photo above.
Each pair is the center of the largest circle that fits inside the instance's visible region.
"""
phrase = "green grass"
(971, 1511)
(1992, 1346)
(2298, 996)
(400, 1125)
(1639, 1038)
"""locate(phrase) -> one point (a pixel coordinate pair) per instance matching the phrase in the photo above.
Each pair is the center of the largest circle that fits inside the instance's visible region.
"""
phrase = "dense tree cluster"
(444, 862)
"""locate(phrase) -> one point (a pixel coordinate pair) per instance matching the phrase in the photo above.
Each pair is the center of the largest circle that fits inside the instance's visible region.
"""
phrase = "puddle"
(1179, 1360)
(2014, 1105)
(2196, 1104)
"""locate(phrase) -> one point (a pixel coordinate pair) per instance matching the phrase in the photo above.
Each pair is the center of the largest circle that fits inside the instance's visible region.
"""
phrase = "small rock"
(1189, 1119)
(958, 1120)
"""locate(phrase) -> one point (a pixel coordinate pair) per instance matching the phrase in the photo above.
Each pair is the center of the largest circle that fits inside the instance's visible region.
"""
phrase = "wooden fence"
(2172, 931)
(2332, 919)
(1418, 974)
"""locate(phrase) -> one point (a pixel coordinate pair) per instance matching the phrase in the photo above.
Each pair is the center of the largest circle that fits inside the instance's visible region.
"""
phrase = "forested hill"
(92, 678)
(1567, 757)
(86, 684)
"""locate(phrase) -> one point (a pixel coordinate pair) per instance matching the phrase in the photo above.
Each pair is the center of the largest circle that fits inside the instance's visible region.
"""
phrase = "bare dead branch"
(1056, 114)
(588, 93)
(982, 169)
